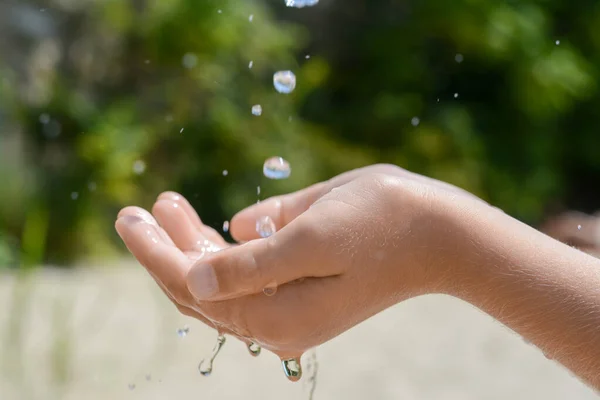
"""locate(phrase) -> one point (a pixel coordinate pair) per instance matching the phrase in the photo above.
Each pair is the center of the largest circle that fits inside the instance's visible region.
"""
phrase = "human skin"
(353, 246)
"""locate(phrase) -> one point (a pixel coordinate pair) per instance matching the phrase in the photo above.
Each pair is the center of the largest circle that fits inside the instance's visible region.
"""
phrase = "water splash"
(206, 365)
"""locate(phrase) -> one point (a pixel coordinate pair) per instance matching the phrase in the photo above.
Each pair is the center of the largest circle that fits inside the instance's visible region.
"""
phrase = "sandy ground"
(89, 334)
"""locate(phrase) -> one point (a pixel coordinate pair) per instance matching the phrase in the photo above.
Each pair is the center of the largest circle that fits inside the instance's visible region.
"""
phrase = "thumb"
(293, 253)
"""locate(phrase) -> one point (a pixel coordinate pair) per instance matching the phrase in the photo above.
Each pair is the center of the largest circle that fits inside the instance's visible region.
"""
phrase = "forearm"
(544, 290)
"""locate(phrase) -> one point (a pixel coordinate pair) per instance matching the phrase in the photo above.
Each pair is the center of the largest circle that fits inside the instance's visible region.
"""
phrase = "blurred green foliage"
(125, 99)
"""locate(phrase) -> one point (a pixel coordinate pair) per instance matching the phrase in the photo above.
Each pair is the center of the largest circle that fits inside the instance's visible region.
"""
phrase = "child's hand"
(347, 249)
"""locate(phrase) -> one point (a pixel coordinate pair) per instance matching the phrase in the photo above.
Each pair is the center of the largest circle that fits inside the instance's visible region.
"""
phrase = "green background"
(90, 88)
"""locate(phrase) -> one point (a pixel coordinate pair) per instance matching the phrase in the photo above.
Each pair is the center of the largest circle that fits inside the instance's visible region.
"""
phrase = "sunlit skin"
(359, 243)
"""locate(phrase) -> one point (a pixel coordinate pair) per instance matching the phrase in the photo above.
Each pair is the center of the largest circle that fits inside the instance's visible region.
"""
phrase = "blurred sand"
(88, 334)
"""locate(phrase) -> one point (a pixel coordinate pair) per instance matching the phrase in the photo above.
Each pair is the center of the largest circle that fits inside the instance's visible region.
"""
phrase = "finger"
(163, 260)
(210, 233)
(281, 209)
(147, 218)
(293, 253)
(177, 224)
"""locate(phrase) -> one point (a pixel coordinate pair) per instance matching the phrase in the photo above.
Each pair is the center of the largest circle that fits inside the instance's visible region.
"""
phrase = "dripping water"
(206, 365)
(292, 369)
(254, 349)
(312, 369)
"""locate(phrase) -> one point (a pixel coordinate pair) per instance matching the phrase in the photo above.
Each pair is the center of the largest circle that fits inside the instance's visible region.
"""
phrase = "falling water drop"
(292, 369)
(557, 42)
(254, 349)
(183, 332)
(225, 172)
(312, 369)
(456, 95)
(415, 121)
(578, 227)
(265, 227)
(277, 168)
(74, 195)
(258, 190)
(226, 226)
(44, 118)
(284, 81)
(250, 64)
(206, 366)
(257, 110)
(459, 58)
(301, 3)
(251, 17)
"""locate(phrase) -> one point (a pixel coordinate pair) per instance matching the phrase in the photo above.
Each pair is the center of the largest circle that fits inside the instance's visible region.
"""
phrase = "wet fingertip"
(125, 222)
(174, 196)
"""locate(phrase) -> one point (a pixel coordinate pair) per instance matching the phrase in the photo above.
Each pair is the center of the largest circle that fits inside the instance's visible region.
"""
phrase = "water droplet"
(270, 292)
(301, 3)
(183, 332)
(44, 118)
(578, 227)
(307, 56)
(206, 366)
(459, 58)
(292, 369)
(250, 64)
(254, 349)
(131, 386)
(415, 121)
(148, 377)
(258, 190)
(226, 226)
(557, 42)
(181, 131)
(265, 227)
(225, 172)
(220, 11)
(456, 95)
(257, 110)
(284, 81)
(251, 17)
(139, 167)
(92, 186)
(189, 60)
(277, 168)
(74, 196)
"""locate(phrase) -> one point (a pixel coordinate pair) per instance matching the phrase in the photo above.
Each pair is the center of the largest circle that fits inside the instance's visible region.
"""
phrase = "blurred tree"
(107, 103)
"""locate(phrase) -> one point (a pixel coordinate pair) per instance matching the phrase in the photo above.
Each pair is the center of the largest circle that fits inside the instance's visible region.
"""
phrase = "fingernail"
(130, 220)
(202, 281)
